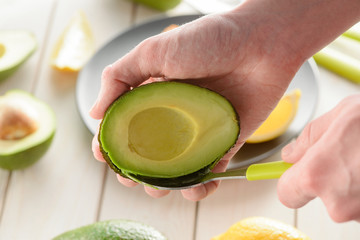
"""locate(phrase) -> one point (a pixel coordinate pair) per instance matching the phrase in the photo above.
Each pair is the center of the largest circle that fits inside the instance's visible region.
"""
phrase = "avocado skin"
(184, 180)
(8, 72)
(120, 229)
(25, 158)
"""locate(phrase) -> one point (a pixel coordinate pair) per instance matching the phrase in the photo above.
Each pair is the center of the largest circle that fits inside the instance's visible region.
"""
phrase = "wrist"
(292, 31)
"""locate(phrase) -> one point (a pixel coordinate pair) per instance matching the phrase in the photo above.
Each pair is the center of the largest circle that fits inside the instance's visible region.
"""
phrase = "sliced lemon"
(75, 46)
(261, 228)
(170, 27)
(279, 120)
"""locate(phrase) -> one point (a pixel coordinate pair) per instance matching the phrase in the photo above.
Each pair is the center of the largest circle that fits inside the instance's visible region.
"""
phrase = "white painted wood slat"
(68, 188)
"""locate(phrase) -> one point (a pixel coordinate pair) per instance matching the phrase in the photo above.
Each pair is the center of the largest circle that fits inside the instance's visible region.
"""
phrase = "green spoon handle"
(268, 170)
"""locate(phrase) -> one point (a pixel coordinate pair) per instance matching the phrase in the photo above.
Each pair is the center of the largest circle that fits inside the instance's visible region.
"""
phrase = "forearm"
(298, 29)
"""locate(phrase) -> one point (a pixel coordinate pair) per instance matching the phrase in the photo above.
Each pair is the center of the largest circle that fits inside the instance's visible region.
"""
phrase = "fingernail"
(288, 149)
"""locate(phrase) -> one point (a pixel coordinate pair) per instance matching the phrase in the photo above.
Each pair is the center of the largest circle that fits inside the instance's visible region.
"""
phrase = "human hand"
(326, 159)
(235, 60)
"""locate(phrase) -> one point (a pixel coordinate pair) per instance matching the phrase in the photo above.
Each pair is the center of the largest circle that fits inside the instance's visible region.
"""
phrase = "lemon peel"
(75, 45)
(279, 120)
(261, 228)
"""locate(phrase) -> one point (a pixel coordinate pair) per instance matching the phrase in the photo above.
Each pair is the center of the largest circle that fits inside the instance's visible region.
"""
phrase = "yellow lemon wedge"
(75, 45)
(279, 120)
(261, 228)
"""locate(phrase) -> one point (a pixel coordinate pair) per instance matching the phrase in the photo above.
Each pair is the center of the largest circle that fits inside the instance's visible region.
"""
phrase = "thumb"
(129, 71)
(294, 186)
(295, 150)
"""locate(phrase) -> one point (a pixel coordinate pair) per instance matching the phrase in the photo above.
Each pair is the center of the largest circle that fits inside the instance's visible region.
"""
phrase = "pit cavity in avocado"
(27, 127)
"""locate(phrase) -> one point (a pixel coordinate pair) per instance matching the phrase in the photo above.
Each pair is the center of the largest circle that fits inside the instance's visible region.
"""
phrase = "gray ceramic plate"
(88, 85)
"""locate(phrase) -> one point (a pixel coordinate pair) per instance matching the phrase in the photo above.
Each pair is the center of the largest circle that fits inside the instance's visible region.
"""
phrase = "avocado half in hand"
(27, 127)
(167, 131)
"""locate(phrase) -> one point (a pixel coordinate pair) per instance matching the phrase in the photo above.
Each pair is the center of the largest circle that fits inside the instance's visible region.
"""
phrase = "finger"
(291, 188)
(143, 62)
(96, 149)
(129, 71)
(200, 192)
(111, 88)
(340, 212)
(126, 182)
(222, 165)
(294, 151)
(156, 193)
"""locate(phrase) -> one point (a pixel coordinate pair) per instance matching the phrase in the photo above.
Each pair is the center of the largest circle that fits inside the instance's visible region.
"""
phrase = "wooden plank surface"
(22, 15)
(315, 221)
(62, 191)
(239, 199)
(4, 185)
(26, 15)
(68, 188)
(172, 215)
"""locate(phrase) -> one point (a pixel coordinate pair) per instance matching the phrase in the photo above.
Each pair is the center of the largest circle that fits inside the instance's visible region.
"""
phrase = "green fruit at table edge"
(167, 132)
(161, 5)
(27, 128)
(113, 229)
(16, 46)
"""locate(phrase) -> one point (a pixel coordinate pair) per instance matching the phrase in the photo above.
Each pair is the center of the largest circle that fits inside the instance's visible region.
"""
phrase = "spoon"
(260, 171)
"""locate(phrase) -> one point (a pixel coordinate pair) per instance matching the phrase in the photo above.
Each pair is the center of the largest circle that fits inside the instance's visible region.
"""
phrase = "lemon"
(75, 46)
(261, 228)
(279, 120)
(170, 27)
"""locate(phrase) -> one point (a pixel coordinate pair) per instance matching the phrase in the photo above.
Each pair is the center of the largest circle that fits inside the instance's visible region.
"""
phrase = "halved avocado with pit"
(27, 127)
(167, 131)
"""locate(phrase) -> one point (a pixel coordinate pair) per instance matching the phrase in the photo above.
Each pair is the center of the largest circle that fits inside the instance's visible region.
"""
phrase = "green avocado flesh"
(27, 127)
(167, 131)
(113, 229)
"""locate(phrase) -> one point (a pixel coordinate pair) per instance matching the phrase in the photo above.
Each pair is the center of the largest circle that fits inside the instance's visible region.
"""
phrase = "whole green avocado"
(120, 229)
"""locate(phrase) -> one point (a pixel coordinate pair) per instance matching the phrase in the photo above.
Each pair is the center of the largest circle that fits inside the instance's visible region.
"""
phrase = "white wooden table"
(68, 188)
